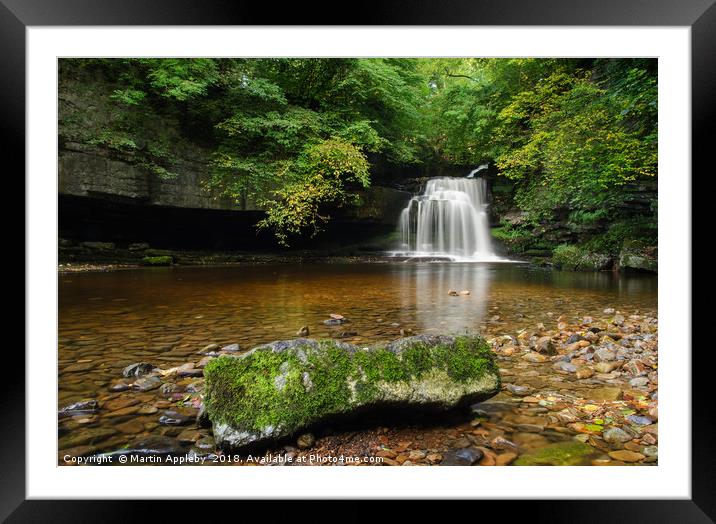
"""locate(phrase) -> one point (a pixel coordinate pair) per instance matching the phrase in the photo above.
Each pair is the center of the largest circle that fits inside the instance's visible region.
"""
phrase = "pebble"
(502, 443)
(208, 348)
(83, 407)
(639, 420)
(147, 410)
(518, 390)
(534, 357)
(147, 383)
(584, 372)
(605, 393)
(564, 366)
(606, 367)
(462, 457)
(416, 454)
(625, 455)
(506, 458)
(231, 348)
(137, 369)
(434, 458)
(119, 403)
(174, 418)
(616, 436)
(604, 355)
(545, 345)
(651, 451)
(306, 441)
(638, 382)
(130, 427)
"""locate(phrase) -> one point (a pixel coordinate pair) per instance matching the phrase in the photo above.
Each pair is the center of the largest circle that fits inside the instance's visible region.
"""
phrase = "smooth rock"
(626, 456)
(564, 366)
(344, 380)
(584, 372)
(306, 441)
(518, 390)
(174, 418)
(535, 358)
(616, 436)
(639, 420)
(461, 457)
(137, 369)
(605, 393)
(147, 383)
(546, 346)
(83, 407)
(604, 355)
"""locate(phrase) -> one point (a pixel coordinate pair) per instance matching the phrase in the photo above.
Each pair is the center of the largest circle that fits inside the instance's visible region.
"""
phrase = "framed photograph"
(410, 255)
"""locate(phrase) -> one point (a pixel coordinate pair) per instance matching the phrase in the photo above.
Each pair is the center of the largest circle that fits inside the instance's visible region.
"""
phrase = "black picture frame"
(699, 15)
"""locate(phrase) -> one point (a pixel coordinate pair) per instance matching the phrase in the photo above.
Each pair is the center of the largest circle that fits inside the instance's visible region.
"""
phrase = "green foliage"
(516, 237)
(158, 260)
(578, 258)
(569, 134)
(642, 229)
(323, 174)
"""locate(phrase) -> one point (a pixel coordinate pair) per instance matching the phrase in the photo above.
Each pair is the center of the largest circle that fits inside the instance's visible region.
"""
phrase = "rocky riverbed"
(575, 391)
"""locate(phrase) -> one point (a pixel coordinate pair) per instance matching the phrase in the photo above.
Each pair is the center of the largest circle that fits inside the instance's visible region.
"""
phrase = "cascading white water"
(450, 219)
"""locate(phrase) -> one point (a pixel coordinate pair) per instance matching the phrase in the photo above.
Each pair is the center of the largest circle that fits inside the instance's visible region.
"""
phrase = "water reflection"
(434, 308)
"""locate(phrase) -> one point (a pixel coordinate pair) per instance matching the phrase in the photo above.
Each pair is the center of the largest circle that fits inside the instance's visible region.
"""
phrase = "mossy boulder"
(280, 388)
(578, 258)
(567, 453)
(158, 261)
(637, 255)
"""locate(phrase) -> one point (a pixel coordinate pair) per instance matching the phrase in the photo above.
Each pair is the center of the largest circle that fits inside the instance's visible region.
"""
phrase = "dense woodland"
(301, 136)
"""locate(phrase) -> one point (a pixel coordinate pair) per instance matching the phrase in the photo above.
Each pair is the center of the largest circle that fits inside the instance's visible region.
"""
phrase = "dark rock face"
(281, 388)
(91, 172)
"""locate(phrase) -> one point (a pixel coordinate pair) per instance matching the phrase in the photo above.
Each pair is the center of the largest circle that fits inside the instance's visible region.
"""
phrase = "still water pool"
(166, 315)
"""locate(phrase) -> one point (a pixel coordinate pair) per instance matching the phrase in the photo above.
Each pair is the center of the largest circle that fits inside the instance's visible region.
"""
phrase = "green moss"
(157, 261)
(292, 388)
(515, 237)
(568, 453)
(578, 258)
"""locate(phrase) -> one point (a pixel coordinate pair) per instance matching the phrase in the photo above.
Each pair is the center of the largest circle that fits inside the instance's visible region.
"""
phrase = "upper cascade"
(450, 219)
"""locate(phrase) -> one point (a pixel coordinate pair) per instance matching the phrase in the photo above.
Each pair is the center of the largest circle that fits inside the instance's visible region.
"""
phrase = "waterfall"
(450, 219)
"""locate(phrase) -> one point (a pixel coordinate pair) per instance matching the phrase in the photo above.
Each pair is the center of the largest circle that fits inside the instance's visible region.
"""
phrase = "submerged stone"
(567, 453)
(277, 389)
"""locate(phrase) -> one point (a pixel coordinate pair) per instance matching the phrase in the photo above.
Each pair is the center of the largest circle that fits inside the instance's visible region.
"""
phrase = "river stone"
(567, 453)
(533, 357)
(462, 457)
(616, 436)
(604, 355)
(137, 369)
(147, 383)
(154, 445)
(626, 456)
(567, 367)
(605, 393)
(264, 395)
(545, 345)
(83, 407)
